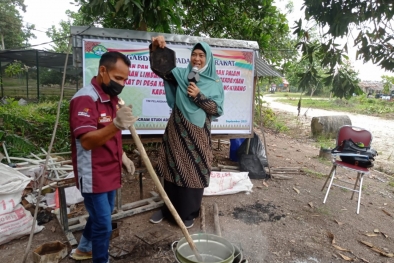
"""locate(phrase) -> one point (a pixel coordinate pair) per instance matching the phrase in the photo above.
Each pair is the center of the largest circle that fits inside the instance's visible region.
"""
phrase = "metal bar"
(63, 209)
(344, 187)
(247, 146)
(359, 193)
(355, 185)
(62, 153)
(328, 177)
(77, 80)
(51, 162)
(27, 84)
(141, 188)
(38, 76)
(329, 186)
(6, 153)
(1, 81)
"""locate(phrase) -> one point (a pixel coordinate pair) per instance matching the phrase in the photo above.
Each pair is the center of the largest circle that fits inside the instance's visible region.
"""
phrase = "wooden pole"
(160, 188)
(216, 219)
(202, 219)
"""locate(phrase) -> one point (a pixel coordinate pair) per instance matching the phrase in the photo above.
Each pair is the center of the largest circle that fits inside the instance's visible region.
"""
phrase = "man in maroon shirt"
(96, 122)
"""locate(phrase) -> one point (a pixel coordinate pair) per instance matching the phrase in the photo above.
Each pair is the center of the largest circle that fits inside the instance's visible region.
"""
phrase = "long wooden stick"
(48, 156)
(163, 194)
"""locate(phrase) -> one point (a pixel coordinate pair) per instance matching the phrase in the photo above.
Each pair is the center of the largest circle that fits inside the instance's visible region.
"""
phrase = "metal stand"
(78, 223)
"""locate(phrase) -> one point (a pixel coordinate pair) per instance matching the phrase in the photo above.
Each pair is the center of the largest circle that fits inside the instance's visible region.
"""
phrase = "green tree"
(372, 19)
(388, 83)
(59, 35)
(145, 15)
(257, 20)
(329, 56)
(13, 34)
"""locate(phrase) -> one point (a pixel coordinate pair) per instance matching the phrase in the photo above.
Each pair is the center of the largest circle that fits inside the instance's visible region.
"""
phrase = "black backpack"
(355, 153)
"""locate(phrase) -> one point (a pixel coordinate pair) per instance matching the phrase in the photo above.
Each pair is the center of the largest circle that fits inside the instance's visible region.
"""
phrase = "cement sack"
(12, 181)
(15, 221)
(224, 183)
(12, 184)
(16, 224)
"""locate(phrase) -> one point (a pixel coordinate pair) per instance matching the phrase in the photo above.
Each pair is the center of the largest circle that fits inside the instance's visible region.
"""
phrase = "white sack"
(16, 224)
(12, 181)
(73, 195)
(224, 183)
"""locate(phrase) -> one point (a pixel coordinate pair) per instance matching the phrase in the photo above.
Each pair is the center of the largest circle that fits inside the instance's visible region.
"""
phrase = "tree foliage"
(59, 34)
(13, 32)
(388, 83)
(329, 56)
(372, 20)
(256, 20)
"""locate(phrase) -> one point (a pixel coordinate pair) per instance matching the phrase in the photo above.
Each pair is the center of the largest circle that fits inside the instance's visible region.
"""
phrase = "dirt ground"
(280, 221)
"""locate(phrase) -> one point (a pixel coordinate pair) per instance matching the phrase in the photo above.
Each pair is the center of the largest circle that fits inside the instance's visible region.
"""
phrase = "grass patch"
(315, 174)
(359, 105)
(324, 210)
(325, 142)
(391, 184)
(27, 128)
(270, 119)
(322, 160)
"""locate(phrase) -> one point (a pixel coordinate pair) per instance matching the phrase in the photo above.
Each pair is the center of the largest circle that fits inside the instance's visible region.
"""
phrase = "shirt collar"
(102, 95)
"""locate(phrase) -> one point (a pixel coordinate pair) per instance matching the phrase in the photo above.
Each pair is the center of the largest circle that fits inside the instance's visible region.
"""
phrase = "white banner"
(145, 90)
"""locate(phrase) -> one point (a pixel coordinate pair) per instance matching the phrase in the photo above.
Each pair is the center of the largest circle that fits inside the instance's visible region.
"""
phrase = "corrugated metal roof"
(262, 69)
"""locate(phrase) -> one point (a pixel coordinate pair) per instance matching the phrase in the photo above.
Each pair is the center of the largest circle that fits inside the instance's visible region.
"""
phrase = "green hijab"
(209, 84)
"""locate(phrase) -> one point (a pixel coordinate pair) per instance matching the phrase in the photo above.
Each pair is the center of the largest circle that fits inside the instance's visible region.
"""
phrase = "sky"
(367, 71)
(45, 13)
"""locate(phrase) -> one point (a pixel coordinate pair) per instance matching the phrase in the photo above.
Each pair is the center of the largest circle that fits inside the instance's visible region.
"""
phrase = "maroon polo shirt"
(97, 170)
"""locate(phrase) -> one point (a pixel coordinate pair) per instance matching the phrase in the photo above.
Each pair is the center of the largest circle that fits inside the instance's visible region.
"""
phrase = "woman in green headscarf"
(185, 155)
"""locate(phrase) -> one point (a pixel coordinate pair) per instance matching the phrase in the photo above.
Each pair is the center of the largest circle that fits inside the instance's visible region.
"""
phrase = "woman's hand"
(193, 90)
(158, 42)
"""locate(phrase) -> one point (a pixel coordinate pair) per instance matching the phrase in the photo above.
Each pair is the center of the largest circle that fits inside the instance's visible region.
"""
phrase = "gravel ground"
(382, 129)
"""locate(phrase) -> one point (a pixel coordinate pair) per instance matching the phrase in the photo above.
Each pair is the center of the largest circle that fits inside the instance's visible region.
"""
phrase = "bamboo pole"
(160, 188)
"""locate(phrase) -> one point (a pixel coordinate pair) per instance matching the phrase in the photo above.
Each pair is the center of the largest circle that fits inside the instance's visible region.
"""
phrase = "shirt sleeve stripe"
(86, 126)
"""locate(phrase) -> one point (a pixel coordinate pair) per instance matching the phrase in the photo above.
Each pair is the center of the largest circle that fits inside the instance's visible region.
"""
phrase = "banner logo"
(99, 50)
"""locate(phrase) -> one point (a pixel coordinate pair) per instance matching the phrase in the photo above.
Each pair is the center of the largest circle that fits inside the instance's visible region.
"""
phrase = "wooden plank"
(216, 223)
(202, 219)
(281, 177)
(230, 171)
(78, 223)
(228, 167)
(63, 182)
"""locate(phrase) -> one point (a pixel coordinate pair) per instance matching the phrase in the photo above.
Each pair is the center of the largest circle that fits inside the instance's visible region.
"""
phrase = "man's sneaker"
(157, 217)
(76, 254)
(189, 223)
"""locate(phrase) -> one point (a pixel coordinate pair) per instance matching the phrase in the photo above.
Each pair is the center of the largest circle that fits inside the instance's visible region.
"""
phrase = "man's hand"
(158, 42)
(128, 164)
(124, 118)
(192, 90)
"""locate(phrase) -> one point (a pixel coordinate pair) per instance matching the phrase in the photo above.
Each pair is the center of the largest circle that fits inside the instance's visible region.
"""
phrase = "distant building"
(371, 87)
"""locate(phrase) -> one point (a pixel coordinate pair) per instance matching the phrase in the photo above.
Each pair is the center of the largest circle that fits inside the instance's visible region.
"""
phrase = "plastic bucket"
(212, 248)
(234, 145)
